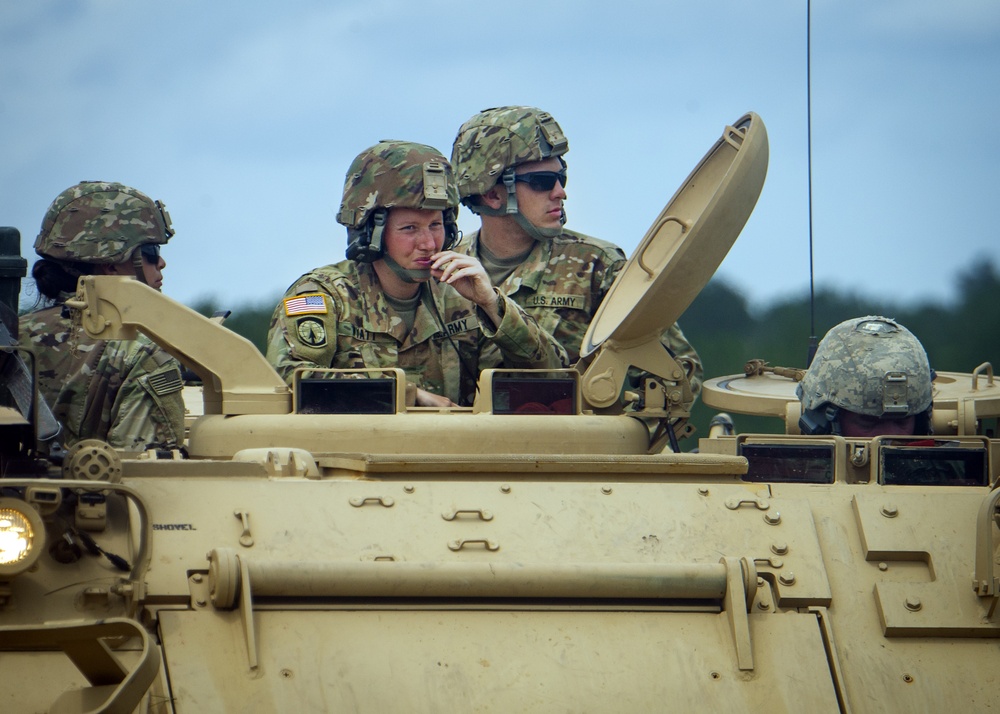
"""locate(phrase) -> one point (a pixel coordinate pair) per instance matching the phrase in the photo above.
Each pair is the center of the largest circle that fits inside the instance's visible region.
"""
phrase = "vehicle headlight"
(22, 537)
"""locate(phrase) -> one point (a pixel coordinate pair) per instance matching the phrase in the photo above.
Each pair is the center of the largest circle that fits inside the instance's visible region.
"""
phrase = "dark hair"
(54, 277)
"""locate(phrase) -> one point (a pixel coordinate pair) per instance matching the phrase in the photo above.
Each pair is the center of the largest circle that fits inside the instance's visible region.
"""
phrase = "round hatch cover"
(687, 242)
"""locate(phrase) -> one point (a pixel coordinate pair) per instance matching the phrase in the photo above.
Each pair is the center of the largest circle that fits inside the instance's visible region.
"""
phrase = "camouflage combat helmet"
(395, 174)
(495, 141)
(867, 365)
(99, 222)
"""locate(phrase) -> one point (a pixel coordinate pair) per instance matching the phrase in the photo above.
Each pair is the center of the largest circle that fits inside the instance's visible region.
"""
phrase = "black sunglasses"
(542, 180)
(151, 252)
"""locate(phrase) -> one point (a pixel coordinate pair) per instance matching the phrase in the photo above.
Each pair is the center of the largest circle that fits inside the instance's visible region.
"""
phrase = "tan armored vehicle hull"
(491, 559)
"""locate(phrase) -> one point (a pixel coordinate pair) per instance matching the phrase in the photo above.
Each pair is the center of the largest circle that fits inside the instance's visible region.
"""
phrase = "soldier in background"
(125, 392)
(381, 308)
(511, 173)
(870, 377)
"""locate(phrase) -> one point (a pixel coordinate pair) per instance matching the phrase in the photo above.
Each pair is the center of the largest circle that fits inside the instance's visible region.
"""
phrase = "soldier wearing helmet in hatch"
(403, 298)
(512, 174)
(125, 392)
(870, 377)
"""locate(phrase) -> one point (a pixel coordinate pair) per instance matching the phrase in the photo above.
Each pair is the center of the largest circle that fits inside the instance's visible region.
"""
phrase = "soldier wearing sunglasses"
(124, 392)
(511, 173)
(404, 298)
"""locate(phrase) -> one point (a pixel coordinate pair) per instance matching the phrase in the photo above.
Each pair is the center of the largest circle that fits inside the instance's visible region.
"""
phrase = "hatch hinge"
(741, 585)
(985, 581)
(246, 611)
(229, 579)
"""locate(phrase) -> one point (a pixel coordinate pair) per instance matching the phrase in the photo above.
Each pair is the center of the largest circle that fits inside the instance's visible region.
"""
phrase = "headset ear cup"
(358, 245)
(814, 422)
(359, 240)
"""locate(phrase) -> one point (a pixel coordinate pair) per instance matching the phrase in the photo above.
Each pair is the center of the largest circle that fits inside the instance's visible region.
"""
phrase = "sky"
(242, 117)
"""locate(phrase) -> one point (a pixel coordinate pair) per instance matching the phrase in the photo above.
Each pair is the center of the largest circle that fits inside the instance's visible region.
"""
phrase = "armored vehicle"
(328, 547)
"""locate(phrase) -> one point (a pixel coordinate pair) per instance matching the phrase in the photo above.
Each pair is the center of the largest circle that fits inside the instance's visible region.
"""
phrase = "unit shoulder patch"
(311, 332)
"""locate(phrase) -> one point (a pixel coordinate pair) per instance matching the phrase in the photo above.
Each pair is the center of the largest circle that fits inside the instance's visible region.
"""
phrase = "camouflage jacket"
(349, 325)
(563, 281)
(125, 392)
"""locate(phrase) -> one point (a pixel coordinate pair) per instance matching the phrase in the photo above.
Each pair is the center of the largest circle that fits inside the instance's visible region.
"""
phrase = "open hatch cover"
(687, 242)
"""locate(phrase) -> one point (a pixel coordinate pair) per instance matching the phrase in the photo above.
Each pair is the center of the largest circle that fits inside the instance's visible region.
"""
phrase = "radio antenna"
(812, 288)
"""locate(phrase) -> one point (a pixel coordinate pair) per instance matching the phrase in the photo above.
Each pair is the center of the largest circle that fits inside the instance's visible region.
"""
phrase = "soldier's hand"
(430, 399)
(464, 273)
(468, 276)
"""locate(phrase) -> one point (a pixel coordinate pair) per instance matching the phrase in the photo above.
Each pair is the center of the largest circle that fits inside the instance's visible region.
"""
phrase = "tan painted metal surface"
(471, 560)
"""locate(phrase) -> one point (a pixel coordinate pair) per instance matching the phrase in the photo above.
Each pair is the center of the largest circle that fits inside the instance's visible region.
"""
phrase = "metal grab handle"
(483, 514)
(640, 258)
(385, 501)
(490, 545)
(985, 582)
(84, 645)
(735, 502)
(984, 367)
(730, 134)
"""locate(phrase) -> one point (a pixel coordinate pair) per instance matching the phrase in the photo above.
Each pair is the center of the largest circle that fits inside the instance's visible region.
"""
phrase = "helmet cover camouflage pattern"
(869, 365)
(502, 138)
(101, 222)
(396, 174)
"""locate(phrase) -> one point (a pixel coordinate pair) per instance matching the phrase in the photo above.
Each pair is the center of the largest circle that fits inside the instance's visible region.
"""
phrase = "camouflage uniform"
(563, 281)
(352, 326)
(565, 277)
(125, 392)
(338, 317)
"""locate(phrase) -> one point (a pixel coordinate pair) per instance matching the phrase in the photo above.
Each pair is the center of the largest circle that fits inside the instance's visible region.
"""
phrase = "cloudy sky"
(243, 117)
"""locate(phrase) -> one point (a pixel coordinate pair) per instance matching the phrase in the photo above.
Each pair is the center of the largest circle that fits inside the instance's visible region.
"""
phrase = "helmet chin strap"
(539, 234)
(407, 276)
(140, 274)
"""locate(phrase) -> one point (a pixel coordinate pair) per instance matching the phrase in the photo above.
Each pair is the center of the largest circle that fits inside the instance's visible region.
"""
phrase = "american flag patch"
(166, 383)
(312, 304)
